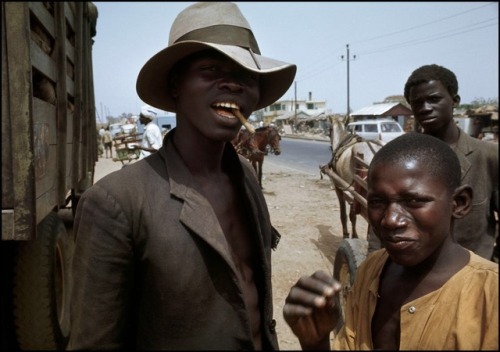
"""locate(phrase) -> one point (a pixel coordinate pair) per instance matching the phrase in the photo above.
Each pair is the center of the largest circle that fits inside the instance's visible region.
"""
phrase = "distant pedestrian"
(100, 145)
(152, 139)
(107, 140)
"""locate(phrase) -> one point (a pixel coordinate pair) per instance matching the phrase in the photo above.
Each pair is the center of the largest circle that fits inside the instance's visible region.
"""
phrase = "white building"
(286, 109)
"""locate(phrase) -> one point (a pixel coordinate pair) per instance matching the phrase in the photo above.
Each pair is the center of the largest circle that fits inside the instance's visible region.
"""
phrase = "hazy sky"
(389, 40)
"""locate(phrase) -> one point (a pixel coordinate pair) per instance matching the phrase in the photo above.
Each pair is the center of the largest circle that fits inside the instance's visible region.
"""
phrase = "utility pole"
(348, 58)
(102, 114)
(295, 105)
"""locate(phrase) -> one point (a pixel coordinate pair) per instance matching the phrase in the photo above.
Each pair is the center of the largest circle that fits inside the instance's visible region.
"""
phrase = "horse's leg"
(343, 213)
(260, 162)
(255, 167)
(352, 217)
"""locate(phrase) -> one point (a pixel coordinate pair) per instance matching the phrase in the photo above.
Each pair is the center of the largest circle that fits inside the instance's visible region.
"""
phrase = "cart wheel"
(351, 253)
(42, 288)
(373, 241)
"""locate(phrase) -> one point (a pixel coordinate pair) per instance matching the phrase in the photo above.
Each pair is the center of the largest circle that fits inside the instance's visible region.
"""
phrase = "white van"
(385, 130)
(115, 128)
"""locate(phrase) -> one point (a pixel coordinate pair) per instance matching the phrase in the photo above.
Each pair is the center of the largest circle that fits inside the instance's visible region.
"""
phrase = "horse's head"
(337, 133)
(274, 140)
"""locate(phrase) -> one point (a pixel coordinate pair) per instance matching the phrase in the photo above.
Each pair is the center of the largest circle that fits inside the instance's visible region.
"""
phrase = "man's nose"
(394, 216)
(234, 80)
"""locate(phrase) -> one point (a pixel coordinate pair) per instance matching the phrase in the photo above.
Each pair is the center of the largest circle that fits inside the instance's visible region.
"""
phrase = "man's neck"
(449, 135)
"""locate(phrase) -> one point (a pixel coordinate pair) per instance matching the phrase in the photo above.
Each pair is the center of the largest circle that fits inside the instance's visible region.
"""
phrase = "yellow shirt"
(461, 315)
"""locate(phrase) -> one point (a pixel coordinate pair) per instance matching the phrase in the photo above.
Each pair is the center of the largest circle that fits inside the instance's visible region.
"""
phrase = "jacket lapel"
(463, 150)
(197, 213)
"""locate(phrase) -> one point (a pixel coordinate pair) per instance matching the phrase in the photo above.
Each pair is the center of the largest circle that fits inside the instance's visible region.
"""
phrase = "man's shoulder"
(473, 147)
(134, 176)
(478, 143)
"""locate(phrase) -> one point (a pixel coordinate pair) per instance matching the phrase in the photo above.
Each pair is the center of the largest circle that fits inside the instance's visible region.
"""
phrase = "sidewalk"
(105, 166)
(313, 137)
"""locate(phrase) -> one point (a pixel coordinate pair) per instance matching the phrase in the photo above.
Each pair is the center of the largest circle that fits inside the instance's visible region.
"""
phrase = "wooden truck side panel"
(48, 114)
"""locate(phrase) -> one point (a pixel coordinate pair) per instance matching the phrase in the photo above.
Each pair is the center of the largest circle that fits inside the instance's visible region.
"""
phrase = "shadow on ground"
(327, 242)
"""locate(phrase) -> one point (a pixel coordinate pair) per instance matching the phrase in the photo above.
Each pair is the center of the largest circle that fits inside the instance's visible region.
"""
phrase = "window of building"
(275, 107)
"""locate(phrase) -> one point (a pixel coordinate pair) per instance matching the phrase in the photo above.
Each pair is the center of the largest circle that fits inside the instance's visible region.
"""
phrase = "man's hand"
(310, 310)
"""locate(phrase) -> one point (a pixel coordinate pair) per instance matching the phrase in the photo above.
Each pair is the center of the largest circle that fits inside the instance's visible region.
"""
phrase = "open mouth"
(225, 109)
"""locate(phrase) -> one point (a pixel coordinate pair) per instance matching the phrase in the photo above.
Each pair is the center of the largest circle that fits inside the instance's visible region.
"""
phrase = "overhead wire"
(315, 71)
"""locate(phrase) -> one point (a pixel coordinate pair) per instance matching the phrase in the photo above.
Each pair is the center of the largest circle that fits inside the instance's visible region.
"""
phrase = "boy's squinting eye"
(415, 202)
(375, 202)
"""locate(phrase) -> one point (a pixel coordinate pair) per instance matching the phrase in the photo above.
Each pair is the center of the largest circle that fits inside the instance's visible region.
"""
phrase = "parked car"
(115, 128)
(385, 130)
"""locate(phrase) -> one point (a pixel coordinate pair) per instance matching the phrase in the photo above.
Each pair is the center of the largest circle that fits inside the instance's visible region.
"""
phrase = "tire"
(349, 256)
(41, 288)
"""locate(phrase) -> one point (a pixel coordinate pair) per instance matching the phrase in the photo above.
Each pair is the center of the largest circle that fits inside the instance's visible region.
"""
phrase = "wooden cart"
(352, 251)
(124, 147)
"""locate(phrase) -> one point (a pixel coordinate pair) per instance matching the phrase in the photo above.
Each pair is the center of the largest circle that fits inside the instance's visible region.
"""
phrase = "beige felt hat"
(220, 26)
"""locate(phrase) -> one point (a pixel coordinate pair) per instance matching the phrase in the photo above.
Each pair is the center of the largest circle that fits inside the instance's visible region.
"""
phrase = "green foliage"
(478, 102)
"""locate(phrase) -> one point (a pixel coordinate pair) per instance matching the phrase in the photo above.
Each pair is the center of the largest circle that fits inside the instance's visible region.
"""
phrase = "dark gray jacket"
(479, 164)
(152, 269)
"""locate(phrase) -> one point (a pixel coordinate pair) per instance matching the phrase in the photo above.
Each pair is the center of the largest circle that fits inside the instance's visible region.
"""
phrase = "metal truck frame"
(49, 150)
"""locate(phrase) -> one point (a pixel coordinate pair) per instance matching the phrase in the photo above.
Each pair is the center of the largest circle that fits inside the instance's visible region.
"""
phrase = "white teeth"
(227, 105)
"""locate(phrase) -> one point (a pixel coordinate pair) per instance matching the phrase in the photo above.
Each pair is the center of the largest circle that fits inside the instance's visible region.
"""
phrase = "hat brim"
(275, 77)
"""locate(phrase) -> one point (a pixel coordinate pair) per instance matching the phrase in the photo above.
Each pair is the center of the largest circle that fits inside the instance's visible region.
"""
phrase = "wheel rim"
(345, 281)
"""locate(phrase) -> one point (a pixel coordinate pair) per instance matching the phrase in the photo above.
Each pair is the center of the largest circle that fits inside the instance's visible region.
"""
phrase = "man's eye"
(209, 68)
(253, 76)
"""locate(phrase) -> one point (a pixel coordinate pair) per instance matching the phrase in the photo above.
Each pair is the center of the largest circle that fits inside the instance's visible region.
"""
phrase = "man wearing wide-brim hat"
(174, 251)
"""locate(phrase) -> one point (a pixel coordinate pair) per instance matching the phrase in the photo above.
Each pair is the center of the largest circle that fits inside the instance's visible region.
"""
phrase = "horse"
(345, 147)
(257, 145)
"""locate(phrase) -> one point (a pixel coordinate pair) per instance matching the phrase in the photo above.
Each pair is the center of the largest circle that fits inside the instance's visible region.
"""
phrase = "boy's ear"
(462, 201)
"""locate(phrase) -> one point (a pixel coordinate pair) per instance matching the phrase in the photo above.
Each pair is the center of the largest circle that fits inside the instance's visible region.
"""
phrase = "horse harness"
(348, 142)
(243, 150)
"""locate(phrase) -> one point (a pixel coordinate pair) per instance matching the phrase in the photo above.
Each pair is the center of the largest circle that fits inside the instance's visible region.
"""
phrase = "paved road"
(304, 155)
(301, 155)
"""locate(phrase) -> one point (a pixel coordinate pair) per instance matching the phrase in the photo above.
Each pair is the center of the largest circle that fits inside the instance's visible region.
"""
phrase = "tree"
(395, 99)
(478, 102)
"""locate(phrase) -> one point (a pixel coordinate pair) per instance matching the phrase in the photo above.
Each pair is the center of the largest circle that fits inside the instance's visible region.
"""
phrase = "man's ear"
(462, 201)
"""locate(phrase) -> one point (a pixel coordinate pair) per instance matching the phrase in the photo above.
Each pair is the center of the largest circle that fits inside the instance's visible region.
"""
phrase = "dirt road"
(305, 211)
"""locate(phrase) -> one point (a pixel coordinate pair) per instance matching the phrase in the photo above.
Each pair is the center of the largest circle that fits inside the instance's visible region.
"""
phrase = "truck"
(49, 151)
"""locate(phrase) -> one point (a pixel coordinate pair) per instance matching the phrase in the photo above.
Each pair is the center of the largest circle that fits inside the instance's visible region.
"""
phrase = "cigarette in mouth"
(243, 121)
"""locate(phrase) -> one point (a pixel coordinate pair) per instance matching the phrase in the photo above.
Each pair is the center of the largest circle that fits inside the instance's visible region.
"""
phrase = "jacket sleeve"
(103, 276)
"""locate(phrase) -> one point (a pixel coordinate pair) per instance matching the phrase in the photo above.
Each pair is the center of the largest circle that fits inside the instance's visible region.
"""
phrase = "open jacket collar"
(195, 204)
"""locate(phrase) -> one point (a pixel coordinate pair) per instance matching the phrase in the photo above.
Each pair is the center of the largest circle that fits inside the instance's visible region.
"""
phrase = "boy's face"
(207, 89)
(432, 105)
(409, 209)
